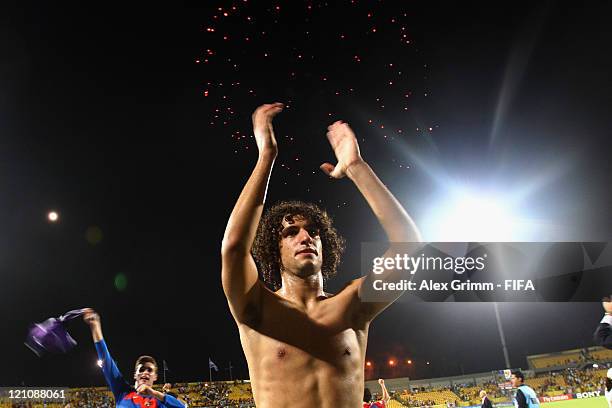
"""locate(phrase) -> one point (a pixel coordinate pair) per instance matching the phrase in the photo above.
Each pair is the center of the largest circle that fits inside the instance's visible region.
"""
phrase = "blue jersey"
(526, 398)
(125, 395)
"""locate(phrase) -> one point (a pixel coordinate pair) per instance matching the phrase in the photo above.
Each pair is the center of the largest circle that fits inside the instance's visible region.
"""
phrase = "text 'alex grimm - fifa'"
(456, 285)
(458, 265)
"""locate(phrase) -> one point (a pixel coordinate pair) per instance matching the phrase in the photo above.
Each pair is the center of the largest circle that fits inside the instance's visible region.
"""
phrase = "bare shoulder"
(249, 309)
(349, 290)
(347, 303)
(363, 312)
(351, 287)
(265, 301)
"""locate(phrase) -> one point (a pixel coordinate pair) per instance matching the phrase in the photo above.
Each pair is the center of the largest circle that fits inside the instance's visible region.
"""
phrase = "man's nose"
(305, 237)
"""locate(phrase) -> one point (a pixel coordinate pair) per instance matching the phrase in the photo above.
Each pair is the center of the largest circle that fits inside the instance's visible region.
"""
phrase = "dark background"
(119, 118)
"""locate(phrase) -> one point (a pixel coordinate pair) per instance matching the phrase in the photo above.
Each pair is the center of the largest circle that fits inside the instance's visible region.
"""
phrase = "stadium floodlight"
(473, 215)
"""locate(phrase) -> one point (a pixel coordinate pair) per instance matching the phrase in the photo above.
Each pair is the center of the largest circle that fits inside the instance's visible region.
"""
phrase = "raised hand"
(91, 318)
(262, 127)
(344, 143)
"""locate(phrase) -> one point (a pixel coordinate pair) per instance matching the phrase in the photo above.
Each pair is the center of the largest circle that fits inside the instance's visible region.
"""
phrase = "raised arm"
(394, 220)
(385, 394)
(239, 273)
(109, 368)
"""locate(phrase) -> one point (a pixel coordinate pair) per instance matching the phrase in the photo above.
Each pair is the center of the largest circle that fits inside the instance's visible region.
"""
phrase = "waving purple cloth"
(51, 335)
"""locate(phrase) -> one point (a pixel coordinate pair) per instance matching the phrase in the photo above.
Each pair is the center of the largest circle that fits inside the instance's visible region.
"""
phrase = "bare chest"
(286, 335)
(304, 358)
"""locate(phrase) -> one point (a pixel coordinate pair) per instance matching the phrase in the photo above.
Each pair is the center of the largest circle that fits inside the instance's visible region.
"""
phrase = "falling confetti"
(247, 46)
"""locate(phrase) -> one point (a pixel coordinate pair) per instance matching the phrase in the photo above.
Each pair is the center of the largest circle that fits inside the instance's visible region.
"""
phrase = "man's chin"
(309, 269)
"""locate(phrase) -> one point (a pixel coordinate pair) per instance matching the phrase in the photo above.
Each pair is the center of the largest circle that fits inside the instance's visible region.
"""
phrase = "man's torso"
(305, 358)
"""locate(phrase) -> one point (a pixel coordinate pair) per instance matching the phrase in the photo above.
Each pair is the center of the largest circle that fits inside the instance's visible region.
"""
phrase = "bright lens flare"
(472, 217)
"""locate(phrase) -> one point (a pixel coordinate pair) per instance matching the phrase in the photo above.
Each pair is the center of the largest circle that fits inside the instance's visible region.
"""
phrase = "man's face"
(516, 382)
(300, 246)
(145, 374)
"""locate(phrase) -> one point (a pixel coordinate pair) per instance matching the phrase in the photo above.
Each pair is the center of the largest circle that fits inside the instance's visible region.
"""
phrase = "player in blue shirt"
(525, 395)
(142, 393)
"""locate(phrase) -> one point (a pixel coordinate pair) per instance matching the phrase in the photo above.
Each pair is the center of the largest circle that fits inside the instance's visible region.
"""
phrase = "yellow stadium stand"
(556, 361)
(438, 397)
(602, 355)
(240, 391)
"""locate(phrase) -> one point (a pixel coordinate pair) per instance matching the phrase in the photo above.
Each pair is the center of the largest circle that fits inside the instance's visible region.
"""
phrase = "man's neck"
(303, 291)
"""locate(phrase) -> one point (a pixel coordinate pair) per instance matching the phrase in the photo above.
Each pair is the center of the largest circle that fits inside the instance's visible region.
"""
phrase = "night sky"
(133, 123)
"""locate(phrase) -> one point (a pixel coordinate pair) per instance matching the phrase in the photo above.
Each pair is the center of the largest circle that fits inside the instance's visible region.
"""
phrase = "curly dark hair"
(265, 248)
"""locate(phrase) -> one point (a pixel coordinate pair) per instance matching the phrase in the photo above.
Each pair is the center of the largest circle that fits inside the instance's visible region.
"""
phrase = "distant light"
(369, 364)
(428, 363)
(52, 216)
(595, 365)
(409, 361)
(391, 362)
(100, 363)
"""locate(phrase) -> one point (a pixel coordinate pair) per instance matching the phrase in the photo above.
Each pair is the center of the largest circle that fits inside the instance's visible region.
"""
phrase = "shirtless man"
(304, 347)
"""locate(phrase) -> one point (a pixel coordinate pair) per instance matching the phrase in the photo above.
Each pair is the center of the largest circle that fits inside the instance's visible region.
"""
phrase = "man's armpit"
(251, 314)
